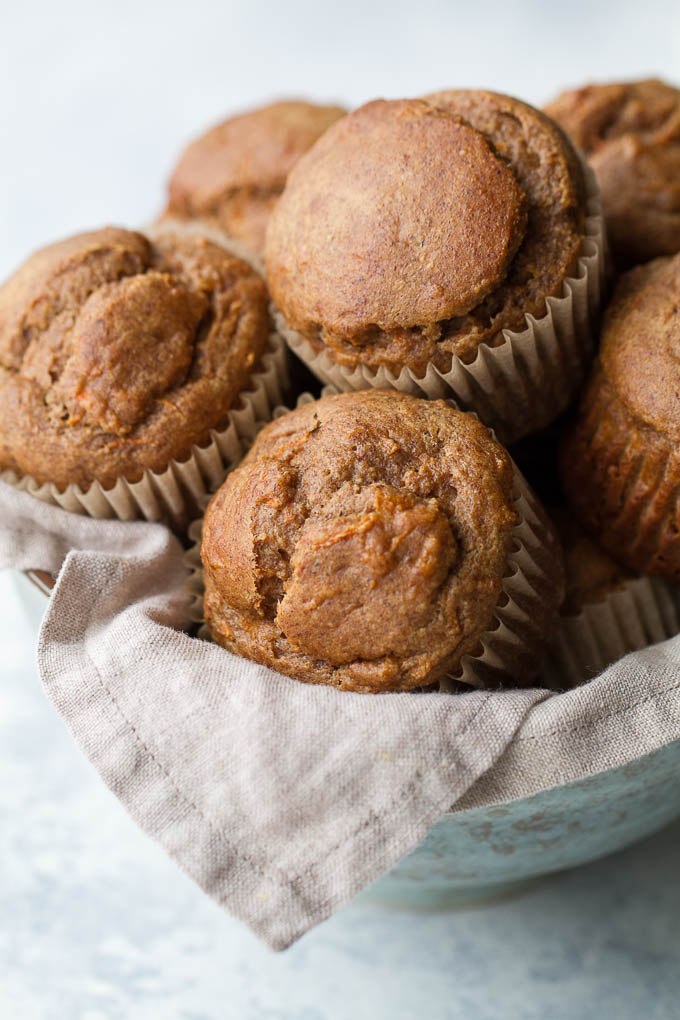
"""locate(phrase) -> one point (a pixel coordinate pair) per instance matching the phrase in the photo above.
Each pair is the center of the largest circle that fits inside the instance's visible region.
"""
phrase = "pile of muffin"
(441, 264)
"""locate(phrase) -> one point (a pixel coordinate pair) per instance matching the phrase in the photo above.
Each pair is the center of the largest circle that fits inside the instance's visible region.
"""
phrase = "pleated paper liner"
(522, 618)
(175, 495)
(641, 612)
(517, 639)
(530, 378)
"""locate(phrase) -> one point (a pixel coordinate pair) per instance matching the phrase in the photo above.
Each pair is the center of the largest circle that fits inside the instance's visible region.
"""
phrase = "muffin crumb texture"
(620, 459)
(118, 355)
(591, 574)
(232, 176)
(415, 230)
(630, 132)
(361, 543)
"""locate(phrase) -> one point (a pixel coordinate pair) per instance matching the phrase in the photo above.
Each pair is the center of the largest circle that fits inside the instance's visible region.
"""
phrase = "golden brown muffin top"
(631, 134)
(413, 230)
(362, 542)
(591, 574)
(118, 354)
(621, 478)
(232, 175)
(401, 215)
(551, 177)
(640, 347)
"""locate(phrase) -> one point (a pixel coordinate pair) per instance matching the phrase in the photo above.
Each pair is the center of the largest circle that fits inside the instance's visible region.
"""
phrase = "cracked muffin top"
(415, 230)
(118, 354)
(232, 176)
(362, 542)
(631, 135)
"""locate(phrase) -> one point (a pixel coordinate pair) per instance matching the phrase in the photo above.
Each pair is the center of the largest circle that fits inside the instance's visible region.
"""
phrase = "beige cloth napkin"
(282, 800)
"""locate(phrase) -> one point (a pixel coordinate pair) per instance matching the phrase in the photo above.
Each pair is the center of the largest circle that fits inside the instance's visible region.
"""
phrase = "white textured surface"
(97, 924)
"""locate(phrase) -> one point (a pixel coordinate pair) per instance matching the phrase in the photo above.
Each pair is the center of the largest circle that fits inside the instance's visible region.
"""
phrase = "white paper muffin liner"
(515, 642)
(178, 492)
(530, 378)
(641, 612)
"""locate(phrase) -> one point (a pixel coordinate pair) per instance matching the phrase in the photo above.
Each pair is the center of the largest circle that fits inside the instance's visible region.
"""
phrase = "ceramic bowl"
(479, 854)
(483, 853)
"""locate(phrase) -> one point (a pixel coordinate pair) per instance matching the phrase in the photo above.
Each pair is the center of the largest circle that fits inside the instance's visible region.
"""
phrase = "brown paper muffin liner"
(641, 612)
(522, 621)
(530, 378)
(178, 493)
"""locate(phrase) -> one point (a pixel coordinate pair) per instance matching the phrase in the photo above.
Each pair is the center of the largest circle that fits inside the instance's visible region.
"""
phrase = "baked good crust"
(590, 573)
(551, 176)
(232, 176)
(630, 132)
(118, 354)
(362, 542)
(620, 461)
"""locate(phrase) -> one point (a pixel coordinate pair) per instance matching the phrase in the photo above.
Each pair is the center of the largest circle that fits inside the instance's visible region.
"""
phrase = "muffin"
(119, 354)
(375, 541)
(620, 458)
(231, 177)
(415, 233)
(550, 176)
(608, 609)
(631, 135)
(590, 573)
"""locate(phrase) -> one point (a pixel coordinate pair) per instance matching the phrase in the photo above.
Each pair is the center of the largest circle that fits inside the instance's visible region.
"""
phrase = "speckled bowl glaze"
(477, 855)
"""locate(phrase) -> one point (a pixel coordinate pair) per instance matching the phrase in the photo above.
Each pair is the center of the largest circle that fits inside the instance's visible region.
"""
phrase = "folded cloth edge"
(130, 686)
(278, 906)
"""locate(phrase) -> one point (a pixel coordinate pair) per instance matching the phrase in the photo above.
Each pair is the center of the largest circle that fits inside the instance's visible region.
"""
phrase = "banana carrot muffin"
(551, 177)
(630, 132)
(608, 609)
(621, 457)
(231, 177)
(415, 232)
(590, 573)
(117, 354)
(367, 541)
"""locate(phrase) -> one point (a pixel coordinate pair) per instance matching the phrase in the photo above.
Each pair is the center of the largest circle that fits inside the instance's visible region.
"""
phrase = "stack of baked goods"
(441, 263)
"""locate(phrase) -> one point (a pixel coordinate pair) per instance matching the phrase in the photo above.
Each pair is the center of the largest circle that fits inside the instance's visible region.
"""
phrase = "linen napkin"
(280, 799)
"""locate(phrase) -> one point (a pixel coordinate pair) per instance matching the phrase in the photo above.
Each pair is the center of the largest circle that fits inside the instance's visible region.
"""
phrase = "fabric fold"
(280, 799)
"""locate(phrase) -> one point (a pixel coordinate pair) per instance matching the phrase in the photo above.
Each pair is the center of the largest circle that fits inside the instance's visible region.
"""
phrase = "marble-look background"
(96, 102)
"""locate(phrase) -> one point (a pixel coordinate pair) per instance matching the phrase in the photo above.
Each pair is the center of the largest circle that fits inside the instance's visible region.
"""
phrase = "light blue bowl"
(477, 855)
